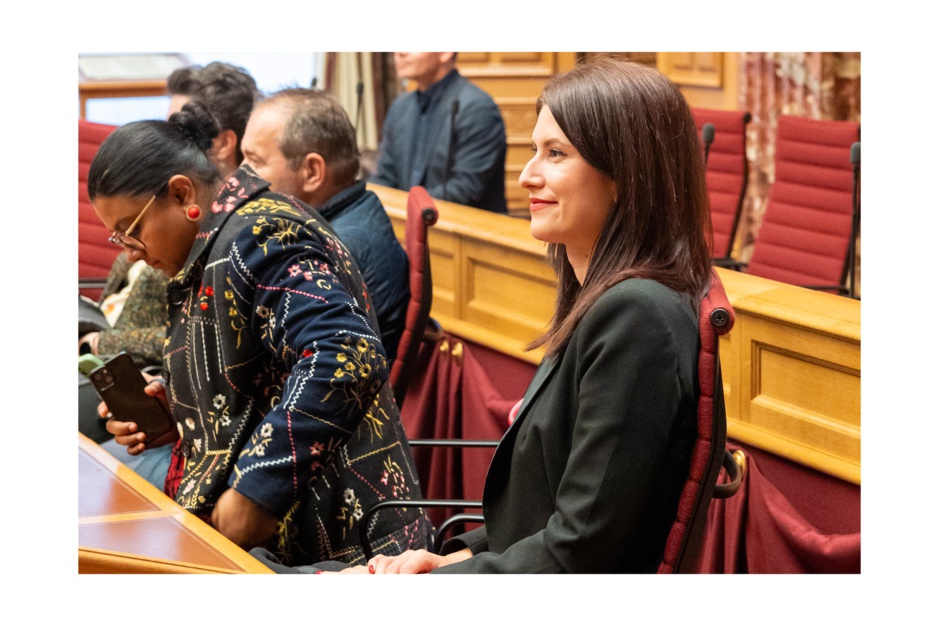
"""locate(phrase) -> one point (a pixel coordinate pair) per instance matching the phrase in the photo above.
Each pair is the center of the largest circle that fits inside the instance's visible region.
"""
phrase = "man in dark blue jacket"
(302, 142)
(447, 136)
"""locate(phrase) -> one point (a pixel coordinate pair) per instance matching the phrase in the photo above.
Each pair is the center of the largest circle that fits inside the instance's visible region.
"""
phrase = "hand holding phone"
(121, 386)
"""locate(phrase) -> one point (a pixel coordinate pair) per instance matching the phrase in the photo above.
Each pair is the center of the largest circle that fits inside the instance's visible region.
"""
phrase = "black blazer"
(477, 175)
(588, 477)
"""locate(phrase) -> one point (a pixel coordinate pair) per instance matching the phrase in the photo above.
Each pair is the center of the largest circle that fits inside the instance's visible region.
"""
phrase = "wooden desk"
(127, 526)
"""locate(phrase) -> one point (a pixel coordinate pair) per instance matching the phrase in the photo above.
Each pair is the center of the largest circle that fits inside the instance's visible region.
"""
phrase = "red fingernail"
(319, 571)
(371, 569)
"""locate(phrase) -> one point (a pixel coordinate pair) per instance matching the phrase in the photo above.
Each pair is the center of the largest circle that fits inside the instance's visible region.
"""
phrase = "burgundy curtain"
(455, 395)
(761, 530)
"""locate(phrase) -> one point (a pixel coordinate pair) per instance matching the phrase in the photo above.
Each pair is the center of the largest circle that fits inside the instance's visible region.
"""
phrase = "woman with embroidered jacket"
(589, 475)
(273, 369)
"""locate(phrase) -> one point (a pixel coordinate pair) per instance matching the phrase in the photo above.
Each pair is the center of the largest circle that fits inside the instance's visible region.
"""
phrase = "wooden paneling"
(511, 293)
(694, 69)
(515, 80)
(706, 79)
(791, 365)
(797, 379)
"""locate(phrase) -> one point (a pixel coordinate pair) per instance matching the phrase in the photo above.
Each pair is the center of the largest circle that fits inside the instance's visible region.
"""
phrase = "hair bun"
(197, 123)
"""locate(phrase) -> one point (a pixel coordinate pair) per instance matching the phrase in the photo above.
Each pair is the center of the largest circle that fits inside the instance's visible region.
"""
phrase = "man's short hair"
(228, 91)
(318, 123)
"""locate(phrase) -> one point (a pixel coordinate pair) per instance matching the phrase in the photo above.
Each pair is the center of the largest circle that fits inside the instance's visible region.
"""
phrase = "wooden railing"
(791, 365)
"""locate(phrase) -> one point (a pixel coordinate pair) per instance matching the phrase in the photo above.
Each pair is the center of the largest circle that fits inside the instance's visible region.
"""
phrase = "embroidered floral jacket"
(276, 379)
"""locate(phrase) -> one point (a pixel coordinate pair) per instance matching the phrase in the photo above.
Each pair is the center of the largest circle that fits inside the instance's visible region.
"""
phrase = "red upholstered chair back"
(806, 230)
(683, 546)
(95, 253)
(422, 213)
(727, 173)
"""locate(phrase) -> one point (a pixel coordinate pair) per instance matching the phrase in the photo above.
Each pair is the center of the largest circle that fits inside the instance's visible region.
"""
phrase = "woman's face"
(569, 200)
(164, 231)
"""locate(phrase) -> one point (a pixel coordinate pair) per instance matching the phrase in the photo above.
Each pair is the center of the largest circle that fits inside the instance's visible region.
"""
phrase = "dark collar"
(434, 92)
(244, 183)
(338, 203)
(240, 187)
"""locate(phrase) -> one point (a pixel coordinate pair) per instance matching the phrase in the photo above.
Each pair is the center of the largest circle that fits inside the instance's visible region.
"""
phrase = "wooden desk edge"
(93, 559)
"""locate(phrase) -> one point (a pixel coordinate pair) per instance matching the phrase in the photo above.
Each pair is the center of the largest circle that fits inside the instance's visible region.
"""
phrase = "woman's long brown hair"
(633, 125)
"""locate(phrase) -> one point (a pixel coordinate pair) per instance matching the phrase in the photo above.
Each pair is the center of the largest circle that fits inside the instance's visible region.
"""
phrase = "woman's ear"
(182, 190)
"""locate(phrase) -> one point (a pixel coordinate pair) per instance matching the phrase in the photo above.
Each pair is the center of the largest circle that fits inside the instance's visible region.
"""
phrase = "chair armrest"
(426, 504)
(92, 283)
(433, 332)
(455, 443)
(735, 464)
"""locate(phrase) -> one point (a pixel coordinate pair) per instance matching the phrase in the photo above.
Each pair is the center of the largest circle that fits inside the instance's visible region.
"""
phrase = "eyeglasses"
(125, 238)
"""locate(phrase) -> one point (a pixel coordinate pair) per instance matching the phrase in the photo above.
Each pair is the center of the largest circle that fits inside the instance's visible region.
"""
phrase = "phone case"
(88, 363)
(121, 385)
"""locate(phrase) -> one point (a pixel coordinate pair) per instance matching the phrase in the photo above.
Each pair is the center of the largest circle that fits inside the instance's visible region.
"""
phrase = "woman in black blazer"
(588, 477)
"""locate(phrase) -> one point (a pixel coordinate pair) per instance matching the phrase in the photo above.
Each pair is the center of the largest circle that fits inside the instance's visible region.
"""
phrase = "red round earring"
(193, 213)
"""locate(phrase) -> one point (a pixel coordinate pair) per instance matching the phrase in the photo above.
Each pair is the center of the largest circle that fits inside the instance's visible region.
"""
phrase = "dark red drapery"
(455, 396)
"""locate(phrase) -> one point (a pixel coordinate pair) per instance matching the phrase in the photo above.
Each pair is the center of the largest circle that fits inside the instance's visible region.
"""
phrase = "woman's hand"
(125, 433)
(411, 562)
(242, 521)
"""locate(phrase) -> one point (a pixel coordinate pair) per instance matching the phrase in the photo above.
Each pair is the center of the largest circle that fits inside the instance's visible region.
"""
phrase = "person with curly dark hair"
(229, 92)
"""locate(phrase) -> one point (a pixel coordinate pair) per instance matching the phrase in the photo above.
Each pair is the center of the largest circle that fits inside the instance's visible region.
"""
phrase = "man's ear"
(313, 174)
(225, 146)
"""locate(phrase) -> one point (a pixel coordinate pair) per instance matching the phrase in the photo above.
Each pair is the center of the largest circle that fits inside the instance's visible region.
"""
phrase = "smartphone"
(121, 385)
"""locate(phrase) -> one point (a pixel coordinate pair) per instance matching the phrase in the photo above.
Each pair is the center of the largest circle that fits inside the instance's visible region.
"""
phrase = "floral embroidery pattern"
(394, 477)
(204, 293)
(238, 321)
(279, 231)
(269, 206)
(375, 418)
(350, 512)
(268, 322)
(231, 195)
(356, 364)
(219, 417)
(259, 441)
(318, 451)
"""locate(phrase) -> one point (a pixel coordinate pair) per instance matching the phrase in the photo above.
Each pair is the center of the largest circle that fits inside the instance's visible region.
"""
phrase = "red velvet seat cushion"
(806, 227)
(422, 213)
(727, 173)
(95, 253)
